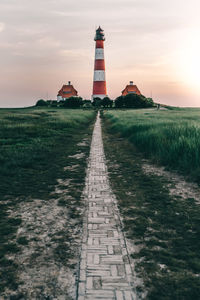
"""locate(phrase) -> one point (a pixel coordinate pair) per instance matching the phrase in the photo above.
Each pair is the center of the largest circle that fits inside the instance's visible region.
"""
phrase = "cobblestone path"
(105, 270)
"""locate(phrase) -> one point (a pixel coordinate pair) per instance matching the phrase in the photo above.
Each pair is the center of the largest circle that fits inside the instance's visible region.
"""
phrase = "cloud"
(67, 13)
(75, 54)
(48, 42)
(2, 27)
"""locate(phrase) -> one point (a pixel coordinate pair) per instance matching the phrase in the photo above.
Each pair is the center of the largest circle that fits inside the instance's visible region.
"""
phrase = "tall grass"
(169, 137)
(163, 226)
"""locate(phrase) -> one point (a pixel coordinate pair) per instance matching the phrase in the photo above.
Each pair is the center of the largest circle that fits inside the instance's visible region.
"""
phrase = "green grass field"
(170, 137)
(35, 146)
(40, 146)
(163, 228)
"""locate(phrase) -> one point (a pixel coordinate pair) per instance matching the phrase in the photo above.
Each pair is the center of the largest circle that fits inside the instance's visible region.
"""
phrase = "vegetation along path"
(43, 158)
(105, 270)
(160, 210)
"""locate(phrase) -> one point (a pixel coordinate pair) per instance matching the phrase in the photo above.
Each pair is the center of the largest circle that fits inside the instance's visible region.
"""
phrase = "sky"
(46, 43)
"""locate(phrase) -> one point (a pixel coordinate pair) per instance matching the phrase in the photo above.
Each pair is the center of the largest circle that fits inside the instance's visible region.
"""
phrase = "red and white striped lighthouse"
(99, 83)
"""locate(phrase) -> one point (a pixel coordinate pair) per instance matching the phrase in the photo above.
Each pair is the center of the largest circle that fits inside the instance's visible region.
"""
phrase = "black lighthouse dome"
(99, 35)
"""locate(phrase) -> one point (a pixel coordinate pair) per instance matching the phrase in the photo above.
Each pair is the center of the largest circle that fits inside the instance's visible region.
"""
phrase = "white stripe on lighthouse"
(99, 53)
(99, 96)
(99, 75)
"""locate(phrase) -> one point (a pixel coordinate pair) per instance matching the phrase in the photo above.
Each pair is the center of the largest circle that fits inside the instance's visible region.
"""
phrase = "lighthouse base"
(98, 96)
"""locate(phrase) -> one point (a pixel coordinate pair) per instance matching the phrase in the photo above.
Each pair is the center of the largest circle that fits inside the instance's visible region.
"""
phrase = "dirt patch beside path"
(176, 184)
(47, 229)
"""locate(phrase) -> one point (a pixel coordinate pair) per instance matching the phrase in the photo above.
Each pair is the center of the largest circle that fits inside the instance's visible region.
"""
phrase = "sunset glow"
(44, 44)
(189, 60)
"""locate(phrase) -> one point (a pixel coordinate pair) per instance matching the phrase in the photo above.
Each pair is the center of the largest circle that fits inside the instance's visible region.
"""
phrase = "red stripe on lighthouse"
(99, 88)
(99, 64)
(99, 44)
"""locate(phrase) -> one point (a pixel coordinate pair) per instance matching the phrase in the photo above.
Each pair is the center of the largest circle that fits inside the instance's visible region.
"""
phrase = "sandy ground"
(176, 184)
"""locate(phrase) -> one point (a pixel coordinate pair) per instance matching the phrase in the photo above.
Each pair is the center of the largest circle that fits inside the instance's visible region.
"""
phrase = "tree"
(133, 101)
(150, 102)
(106, 102)
(41, 102)
(87, 104)
(73, 102)
(137, 101)
(119, 102)
(96, 102)
(110, 103)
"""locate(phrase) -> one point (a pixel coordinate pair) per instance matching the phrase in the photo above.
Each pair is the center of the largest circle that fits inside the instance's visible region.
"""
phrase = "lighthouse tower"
(99, 83)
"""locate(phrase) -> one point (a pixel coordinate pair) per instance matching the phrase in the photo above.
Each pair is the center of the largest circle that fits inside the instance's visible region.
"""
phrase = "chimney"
(131, 82)
(69, 82)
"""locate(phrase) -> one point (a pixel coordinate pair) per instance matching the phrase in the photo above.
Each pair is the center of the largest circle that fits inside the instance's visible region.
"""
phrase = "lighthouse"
(99, 83)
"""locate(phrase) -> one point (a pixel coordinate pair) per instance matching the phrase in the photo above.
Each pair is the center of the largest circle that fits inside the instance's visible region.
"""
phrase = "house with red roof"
(67, 91)
(131, 89)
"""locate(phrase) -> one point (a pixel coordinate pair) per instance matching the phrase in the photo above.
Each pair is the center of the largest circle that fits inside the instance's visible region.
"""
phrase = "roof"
(67, 91)
(99, 29)
(131, 89)
(99, 35)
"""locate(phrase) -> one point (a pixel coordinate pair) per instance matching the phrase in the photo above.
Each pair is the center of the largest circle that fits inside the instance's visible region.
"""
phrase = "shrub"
(106, 102)
(119, 102)
(96, 102)
(73, 102)
(133, 101)
(41, 102)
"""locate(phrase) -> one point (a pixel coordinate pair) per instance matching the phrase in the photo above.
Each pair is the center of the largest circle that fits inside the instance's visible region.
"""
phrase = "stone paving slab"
(105, 270)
